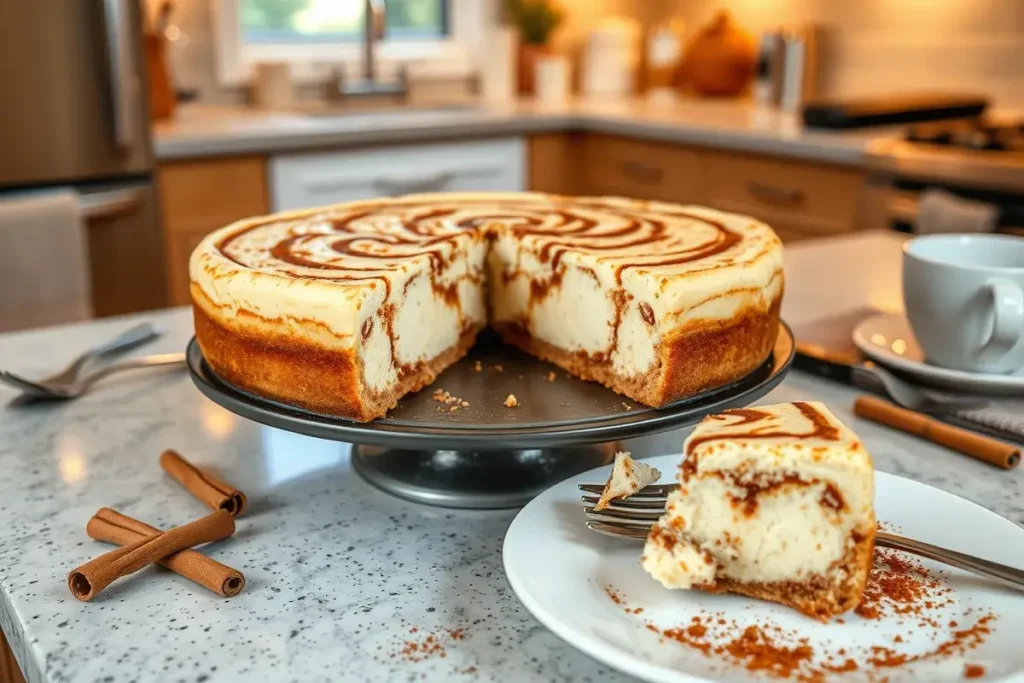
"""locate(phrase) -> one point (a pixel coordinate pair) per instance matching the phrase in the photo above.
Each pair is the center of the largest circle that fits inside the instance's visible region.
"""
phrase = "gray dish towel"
(1003, 418)
(939, 211)
(44, 271)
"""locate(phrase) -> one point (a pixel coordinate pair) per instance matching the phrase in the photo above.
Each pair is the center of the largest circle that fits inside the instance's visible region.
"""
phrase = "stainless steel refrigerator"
(74, 114)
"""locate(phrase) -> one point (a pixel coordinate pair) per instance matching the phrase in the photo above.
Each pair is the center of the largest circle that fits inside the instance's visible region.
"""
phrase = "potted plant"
(536, 21)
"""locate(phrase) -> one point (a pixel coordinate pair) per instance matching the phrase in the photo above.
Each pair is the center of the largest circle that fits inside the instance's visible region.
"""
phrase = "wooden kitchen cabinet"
(553, 163)
(796, 198)
(619, 166)
(799, 199)
(9, 670)
(197, 197)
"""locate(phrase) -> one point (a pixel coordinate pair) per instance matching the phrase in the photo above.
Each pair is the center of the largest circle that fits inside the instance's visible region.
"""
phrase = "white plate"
(560, 570)
(887, 339)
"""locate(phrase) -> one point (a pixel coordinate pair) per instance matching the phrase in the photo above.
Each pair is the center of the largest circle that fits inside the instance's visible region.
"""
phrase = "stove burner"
(974, 134)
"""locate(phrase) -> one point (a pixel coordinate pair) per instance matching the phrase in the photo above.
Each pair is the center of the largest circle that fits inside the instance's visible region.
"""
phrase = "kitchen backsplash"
(867, 47)
(878, 46)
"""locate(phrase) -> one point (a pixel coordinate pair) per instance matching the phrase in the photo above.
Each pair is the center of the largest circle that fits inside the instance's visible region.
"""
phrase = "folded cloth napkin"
(43, 261)
(939, 211)
(1003, 418)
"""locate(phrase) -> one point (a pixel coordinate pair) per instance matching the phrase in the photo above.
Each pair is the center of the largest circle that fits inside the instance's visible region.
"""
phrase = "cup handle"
(1007, 321)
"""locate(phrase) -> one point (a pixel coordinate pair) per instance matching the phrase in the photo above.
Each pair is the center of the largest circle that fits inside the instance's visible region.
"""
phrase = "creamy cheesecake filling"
(769, 495)
(612, 292)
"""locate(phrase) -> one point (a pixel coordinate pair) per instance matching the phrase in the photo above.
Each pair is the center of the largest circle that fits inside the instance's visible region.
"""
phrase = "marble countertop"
(339, 574)
(200, 130)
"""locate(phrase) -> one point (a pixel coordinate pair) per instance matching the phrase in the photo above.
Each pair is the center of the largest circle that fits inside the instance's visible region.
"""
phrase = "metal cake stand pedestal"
(486, 455)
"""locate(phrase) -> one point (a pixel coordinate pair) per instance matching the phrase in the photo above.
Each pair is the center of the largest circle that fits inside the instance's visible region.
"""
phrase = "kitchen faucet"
(374, 16)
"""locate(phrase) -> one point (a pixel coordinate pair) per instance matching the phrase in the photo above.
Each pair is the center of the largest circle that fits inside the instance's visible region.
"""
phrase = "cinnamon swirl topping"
(359, 242)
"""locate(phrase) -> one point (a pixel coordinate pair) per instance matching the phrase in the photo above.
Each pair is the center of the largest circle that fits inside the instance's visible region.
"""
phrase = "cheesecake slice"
(628, 477)
(774, 502)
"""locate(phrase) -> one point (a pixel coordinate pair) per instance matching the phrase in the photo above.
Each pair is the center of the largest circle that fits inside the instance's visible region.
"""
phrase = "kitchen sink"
(344, 110)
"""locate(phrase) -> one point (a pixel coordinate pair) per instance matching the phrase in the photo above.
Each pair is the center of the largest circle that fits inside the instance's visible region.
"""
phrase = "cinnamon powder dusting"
(900, 586)
(421, 645)
(899, 589)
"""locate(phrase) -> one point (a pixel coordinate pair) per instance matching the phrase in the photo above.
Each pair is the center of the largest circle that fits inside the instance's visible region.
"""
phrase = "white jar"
(552, 79)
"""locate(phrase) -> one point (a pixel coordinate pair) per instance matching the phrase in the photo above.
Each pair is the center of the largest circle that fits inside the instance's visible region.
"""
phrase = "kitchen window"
(431, 35)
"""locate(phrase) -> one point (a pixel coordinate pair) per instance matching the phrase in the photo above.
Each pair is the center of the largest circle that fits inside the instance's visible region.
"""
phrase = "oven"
(901, 170)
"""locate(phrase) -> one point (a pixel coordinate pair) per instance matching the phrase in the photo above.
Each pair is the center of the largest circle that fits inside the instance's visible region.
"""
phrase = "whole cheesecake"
(342, 310)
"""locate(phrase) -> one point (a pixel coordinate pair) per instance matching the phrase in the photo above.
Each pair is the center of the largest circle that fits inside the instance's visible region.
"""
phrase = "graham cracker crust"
(285, 368)
(820, 597)
(693, 358)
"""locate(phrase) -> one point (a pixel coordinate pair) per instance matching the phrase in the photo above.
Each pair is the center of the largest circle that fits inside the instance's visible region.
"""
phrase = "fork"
(632, 518)
(73, 388)
(127, 340)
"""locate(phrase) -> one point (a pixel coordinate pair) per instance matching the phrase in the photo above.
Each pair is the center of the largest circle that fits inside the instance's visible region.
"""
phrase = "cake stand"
(487, 455)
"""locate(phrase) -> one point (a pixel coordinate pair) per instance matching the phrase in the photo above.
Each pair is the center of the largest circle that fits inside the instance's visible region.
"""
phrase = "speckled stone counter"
(342, 579)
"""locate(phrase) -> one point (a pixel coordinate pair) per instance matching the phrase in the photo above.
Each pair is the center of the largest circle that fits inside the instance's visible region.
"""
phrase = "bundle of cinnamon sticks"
(142, 544)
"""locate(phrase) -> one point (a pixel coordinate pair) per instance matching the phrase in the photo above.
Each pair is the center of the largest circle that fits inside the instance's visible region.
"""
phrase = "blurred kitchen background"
(133, 129)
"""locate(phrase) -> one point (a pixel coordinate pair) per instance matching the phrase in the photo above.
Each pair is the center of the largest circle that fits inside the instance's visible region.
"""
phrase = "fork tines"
(652, 491)
(618, 531)
(628, 517)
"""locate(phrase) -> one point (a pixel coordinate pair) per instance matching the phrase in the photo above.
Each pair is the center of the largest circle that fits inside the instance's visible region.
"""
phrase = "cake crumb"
(498, 368)
(478, 366)
(973, 671)
(442, 396)
(626, 406)
(511, 401)
(551, 377)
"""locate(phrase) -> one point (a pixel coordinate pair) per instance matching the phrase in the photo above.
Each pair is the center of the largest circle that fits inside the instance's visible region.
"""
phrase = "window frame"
(448, 56)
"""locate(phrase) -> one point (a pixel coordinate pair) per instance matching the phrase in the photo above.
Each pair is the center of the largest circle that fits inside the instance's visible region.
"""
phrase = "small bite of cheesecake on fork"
(774, 502)
(628, 477)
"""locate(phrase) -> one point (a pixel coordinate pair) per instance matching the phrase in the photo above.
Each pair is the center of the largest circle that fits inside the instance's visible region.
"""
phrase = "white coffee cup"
(964, 297)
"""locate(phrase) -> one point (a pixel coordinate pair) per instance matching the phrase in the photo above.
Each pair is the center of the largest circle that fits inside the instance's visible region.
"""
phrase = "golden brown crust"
(695, 357)
(821, 597)
(283, 367)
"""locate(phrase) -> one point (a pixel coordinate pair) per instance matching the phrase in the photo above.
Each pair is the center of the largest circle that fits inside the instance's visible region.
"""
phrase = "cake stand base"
(475, 479)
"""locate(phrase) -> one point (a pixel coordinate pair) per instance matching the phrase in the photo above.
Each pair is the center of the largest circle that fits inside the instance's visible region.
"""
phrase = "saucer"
(888, 340)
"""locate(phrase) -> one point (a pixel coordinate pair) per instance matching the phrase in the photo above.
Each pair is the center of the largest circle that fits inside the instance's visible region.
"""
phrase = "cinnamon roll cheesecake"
(774, 502)
(344, 309)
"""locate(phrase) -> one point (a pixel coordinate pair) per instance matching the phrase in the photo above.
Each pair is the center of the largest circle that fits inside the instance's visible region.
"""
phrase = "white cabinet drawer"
(303, 180)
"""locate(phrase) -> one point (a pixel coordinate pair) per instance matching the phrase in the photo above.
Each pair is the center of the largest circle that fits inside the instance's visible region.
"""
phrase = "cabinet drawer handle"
(775, 194)
(642, 172)
(393, 188)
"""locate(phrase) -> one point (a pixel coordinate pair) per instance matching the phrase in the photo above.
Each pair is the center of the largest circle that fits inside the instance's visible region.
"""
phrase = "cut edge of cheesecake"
(821, 596)
(693, 357)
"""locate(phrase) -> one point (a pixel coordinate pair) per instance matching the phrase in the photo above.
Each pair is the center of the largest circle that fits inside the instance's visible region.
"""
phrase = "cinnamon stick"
(992, 451)
(113, 527)
(203, 484)
(87, 581)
